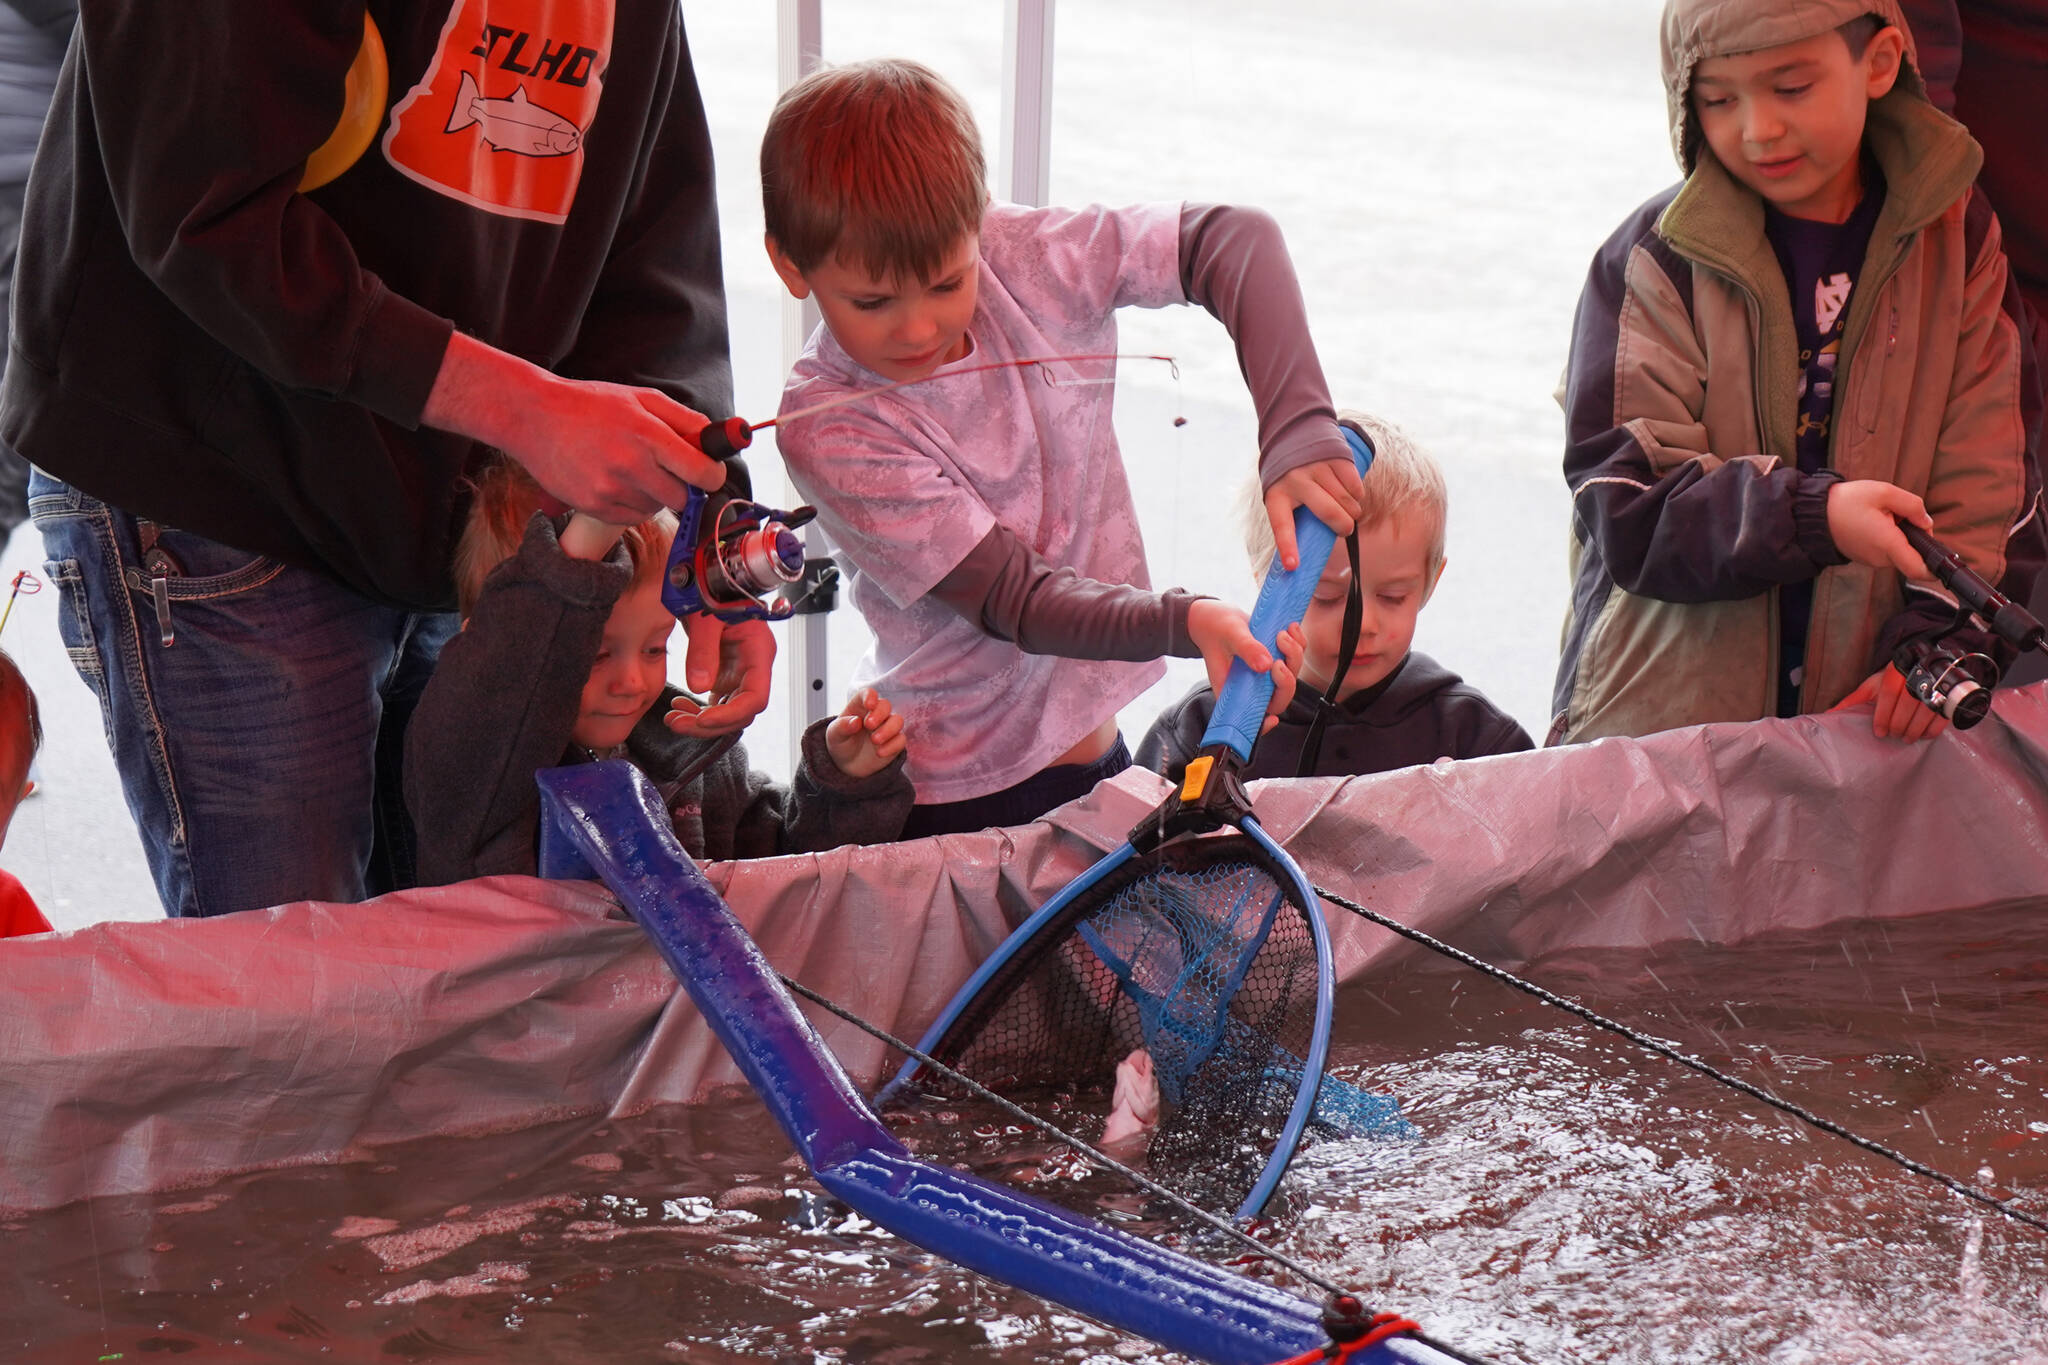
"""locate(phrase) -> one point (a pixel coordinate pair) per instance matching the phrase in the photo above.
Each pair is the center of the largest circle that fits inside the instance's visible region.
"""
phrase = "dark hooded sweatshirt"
(1417, 714)
(200, 344)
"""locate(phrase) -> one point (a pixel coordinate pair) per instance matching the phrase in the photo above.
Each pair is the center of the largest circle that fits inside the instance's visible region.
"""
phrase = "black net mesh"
(1201, 955)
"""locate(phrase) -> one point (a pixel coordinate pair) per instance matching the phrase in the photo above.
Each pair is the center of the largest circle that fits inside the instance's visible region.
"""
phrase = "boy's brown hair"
(877, 164)
(506, 499)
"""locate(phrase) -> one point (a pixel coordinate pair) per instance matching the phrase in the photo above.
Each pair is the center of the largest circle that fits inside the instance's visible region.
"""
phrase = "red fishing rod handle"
(723, 440)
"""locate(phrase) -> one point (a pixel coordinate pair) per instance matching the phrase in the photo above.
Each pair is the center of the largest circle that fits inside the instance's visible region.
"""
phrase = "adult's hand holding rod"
(617, 452)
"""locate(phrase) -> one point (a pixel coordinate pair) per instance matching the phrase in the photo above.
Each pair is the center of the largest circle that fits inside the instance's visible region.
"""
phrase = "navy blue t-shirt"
(1820, 261)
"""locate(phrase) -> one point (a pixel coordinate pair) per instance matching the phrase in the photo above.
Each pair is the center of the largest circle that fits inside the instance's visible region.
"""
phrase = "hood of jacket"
(1411, 686)
(1695, 30)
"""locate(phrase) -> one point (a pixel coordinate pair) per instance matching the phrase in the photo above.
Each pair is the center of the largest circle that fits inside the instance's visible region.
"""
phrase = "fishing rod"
(731, 553)
(25, 583)
(2005, 618)
(1670, 1052)
(1954, 682)
(721, 440)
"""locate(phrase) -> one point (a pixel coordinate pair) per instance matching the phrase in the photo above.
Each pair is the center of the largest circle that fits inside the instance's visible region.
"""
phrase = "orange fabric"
(1382, 1326)
(498, 119)
(18, 912)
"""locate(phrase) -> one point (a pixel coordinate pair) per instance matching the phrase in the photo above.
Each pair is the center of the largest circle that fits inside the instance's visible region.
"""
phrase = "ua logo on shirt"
(498, 119)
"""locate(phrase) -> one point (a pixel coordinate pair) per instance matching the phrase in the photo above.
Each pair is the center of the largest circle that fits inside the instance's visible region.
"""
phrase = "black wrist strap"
(1354, 619)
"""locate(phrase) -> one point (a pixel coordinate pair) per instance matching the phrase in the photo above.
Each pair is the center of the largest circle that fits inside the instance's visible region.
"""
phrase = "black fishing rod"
(2005, 618)
(1952, 681)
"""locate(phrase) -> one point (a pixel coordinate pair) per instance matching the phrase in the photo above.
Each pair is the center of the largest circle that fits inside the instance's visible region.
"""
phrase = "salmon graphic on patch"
(514, 125)
(498, 118)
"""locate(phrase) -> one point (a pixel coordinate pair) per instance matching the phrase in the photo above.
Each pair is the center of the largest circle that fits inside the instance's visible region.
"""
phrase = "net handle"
(1241, 707)
(1319, 1032)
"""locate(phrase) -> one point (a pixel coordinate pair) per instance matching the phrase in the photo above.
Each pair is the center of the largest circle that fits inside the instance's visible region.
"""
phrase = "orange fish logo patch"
(497, 121)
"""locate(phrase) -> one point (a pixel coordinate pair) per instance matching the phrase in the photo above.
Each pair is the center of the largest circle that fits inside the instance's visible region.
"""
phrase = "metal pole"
(799, 43)
(1024, 161)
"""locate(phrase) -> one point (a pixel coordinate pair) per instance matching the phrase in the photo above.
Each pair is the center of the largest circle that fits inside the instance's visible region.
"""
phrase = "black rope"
(1667, 1051)
(1347, 645)
(1102, 1158)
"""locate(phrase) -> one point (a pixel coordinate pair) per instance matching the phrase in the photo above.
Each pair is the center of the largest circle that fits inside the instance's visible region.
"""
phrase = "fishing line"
(1237, 1235)
(1039, 360)
(1251, 1245)
(734, 434)
(24, 583)
(1670, 1053)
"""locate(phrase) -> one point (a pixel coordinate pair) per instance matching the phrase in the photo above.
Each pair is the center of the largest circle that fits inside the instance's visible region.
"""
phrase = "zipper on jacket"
(1772, 640)
(1878, 279)
(1757, 387)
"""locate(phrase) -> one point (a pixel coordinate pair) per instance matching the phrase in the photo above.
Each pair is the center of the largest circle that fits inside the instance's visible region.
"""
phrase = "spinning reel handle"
(2007, 619)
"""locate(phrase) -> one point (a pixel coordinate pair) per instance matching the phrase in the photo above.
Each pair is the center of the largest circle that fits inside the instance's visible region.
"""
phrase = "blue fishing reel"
(731, 553)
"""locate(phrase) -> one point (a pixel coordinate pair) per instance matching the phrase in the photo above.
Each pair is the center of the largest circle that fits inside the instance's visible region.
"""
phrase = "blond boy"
(1367, 702)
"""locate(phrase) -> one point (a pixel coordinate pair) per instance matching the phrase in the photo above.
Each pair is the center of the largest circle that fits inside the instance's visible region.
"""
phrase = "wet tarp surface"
(137, 1057)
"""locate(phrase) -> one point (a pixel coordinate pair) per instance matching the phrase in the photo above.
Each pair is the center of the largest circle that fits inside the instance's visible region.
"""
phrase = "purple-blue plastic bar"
(605, 820)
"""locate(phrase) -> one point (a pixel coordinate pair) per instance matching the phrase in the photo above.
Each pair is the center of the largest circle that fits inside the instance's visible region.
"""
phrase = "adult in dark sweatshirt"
(32, 38)
(256, 405)
(1986, 63)
(504, 702)
(1417, 714)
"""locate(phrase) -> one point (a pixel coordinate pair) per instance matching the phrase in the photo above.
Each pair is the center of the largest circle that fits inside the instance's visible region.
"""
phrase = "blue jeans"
(259, 750)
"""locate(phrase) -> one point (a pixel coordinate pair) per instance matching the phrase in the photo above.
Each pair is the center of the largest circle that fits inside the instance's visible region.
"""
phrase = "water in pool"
(1570, 1198)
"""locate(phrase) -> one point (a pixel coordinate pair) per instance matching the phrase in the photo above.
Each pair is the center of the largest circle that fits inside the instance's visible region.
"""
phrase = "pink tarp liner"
(137, 1057)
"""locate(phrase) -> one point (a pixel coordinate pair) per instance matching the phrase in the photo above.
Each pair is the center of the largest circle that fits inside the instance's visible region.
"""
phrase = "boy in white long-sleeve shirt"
(985, 516)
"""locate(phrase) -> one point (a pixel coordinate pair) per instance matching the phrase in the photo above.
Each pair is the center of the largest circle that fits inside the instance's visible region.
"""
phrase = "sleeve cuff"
(398, 357)
(1810, 518)
(827, 776)
(1311, 442)
(1179, 644)
(595, 584)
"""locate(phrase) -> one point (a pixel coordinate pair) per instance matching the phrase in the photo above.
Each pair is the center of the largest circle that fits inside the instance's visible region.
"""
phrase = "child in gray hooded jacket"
(563, 659)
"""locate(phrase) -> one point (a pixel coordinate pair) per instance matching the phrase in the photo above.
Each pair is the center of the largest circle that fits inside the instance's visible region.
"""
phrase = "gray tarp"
(143, 1056)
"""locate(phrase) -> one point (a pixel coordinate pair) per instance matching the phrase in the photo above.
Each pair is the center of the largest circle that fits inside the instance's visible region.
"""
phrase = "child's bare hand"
(585, 537)
(1860, 518)
(733, 664)
(1329, 488)
(1285, 674)
(866, 737)
(1224, 633)
(1895, 712)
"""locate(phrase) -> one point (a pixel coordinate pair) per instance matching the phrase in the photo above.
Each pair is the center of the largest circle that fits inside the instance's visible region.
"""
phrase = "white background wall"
(1443, 171)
